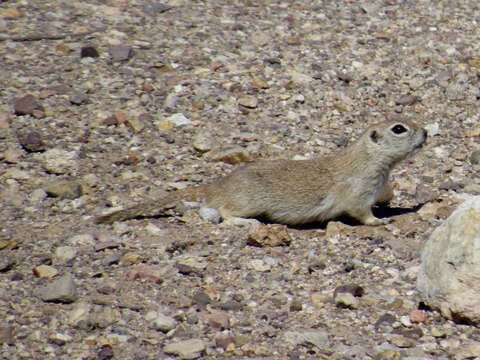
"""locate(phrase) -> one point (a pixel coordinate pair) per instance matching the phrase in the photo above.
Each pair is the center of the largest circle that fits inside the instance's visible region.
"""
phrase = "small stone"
(475, 157)
(12, 156)
(17, 174)
(7, 334)
(45, 271)
(121, 53)
(64, 189)
(60, 339)
(163, 323)
(346, 300)
(336, 228)
(405, 321)
(64, 254)
(10, 13)
(203, 142)
(4, 120)
(401, 341)
(259, 265)
(219, 320)
(26, 105)
(31, 141)
(62, 290)
(230, 155)
(296, 305)
(149, 272)
(248, 101)
(186, 349)
(423, 194)
(389, 355)
(131, 258)
(210, 214)
(319, 338)
(58, 161)
(355, 290)
(164, 125)
(407, 100)
(190, 264)
(179, 120)
(78, 98)
(438, 333)
(418, 316)
(89, 51)
(82, 240)
(259, 82)
(269, 235)
(135, 124)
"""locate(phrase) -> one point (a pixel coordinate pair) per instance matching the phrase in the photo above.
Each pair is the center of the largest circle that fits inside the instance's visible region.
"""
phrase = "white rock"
(163, 323)
(58, 161)
(449, 277)
(187, 349)
(179, 119)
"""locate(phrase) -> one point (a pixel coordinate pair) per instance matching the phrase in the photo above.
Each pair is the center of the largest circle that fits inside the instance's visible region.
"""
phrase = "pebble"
(82, 240)
(12, 155)
(475, 157)
(203, 142)
(89, 52)
(179, 120)
(230, 155)
(160, 322)
(418, 316)
(186, 349)
(346, 300)
(121, 53)
(4, 120)
(407, 100)
(210, 214)
(61, 290)
(259, 265)
(219, 320)
(64, 254)
(78, 98)
(27, 105)
(64, 189)
(17, 174)
(269, 235)
(60, 339)
(248, 101)
(401, 341)
(31, 141)
(318, 337)
(59, 161)
(45, 271)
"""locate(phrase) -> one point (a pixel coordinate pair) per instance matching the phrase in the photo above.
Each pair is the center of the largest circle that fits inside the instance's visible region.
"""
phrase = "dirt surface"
(108, 103)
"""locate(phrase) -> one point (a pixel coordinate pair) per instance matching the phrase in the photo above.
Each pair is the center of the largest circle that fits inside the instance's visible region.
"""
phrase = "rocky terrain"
(108, 103)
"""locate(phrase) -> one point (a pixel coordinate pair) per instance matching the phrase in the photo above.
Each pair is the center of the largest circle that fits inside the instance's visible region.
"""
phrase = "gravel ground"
(107, 103)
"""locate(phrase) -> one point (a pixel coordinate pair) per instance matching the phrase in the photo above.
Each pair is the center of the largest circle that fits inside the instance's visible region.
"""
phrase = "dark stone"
(355, 290)
(79, 98)
(31, 141)
(121, 53)
(26, 105)
(89, 51)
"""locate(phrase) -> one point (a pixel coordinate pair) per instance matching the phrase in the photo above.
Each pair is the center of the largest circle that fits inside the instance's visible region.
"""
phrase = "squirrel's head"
(395, 140)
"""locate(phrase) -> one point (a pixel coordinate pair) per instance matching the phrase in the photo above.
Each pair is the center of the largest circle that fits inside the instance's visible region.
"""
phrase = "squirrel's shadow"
(380, 211)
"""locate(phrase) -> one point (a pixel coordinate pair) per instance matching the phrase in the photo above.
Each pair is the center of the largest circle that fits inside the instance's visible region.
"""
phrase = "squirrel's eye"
(398, 129)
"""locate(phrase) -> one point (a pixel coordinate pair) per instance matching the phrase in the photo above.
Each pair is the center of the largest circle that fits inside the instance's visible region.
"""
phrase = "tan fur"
(349, 182)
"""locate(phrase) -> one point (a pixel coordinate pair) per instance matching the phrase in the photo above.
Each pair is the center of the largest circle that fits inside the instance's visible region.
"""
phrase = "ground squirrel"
(292, 192)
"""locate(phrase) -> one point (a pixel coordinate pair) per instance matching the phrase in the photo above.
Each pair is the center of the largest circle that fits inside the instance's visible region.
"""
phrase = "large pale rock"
(449, 277)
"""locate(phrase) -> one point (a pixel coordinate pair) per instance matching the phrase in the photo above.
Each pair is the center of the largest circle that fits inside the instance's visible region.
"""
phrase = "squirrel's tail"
(154, 207)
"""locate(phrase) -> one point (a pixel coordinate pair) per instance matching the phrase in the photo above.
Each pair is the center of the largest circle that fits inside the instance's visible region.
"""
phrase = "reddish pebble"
(418, 316)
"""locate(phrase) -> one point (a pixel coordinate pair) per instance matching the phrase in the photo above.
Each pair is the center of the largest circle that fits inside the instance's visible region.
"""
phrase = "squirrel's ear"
(374, 136)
